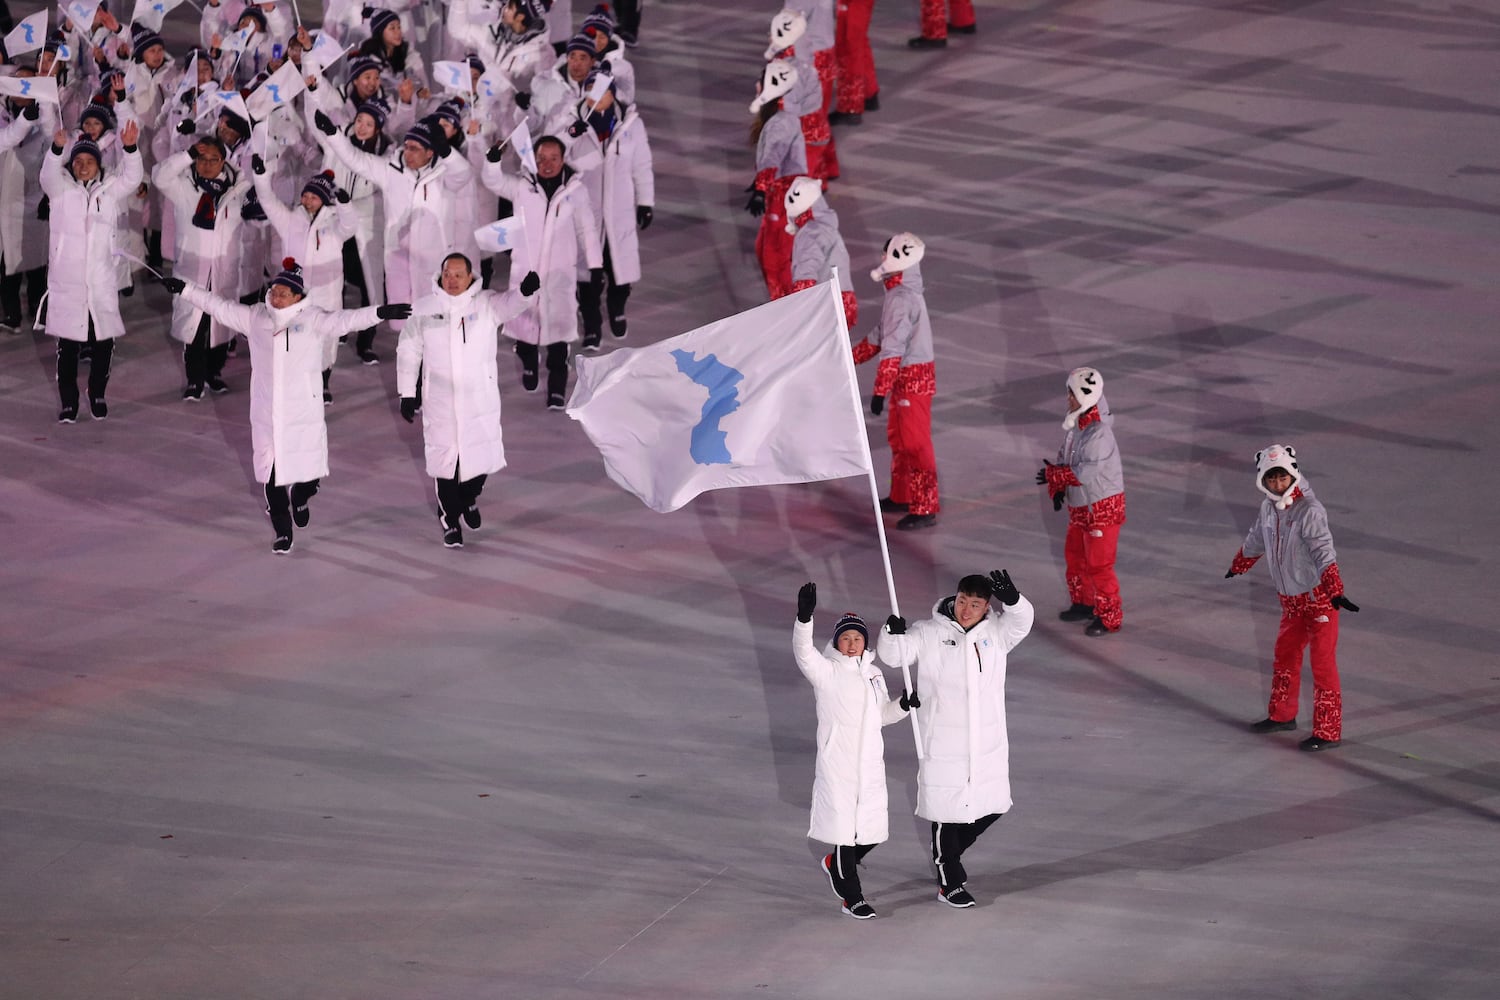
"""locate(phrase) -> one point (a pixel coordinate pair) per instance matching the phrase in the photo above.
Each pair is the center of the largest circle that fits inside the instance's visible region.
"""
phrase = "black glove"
(342, 196)
(493, 155)
(756, 206)
(33, 112)
(643, 217)
(577, 129)
(877, 405)
(523, 101)
(1003, 588)
(1340, 601)
(396, 310)
(596, 277)
(807, 600)
(1041, 474)
(324, 124)
(185, 127)
(1229, 574)
(1057, 500)
(257, 164)
(530, 283)
(44, 207)
(408, 408)
(910, 701)
(174, 285)
(441, 147)
(896, 625)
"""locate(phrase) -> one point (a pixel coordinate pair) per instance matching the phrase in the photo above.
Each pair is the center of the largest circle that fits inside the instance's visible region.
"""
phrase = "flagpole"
(864, 441)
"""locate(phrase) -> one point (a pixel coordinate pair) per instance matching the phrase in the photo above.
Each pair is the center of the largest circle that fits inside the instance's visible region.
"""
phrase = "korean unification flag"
(520, 141)
(28, 36)
(214, 100)
(64, 53)
(81, 13)
(326, 49)
(276, 92)
(506, 234)
(493, 85)
(599, 89)
(151, 13)
(240, 40)
(761, 398)
(38, 88)
(453, 77)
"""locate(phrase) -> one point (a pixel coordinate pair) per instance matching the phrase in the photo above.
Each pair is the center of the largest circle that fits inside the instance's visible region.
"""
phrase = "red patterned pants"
(936, 16)
(773, 244)
(913, 461)
(1090, 556)
(1318, 629)
(856, 75)
(823, 157)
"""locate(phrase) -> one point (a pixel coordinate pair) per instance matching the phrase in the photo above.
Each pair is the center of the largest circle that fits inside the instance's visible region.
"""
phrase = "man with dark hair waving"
(963, 780)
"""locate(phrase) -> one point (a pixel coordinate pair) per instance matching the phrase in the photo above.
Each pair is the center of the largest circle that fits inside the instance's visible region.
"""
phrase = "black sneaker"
(453, 537)
(923, 42)
(327, 396)
(368, 357)
(963, 29)
(845, 118)
(555, 401)
(591, 342)
(618, 327)
(98, 408)
(472, 518)
(1269, 725)
(859, 910)
(872, 103)
(193, 392)
(233, 347)
(912, 522)
(889, 506)
(957, 896)
(67, 415)
(828, 870)
(529, 379)
(217, 385)
(1096, 629)
(1315, 743)
(282, 545)
(1076, 613)
(11, 324)
(301, 515)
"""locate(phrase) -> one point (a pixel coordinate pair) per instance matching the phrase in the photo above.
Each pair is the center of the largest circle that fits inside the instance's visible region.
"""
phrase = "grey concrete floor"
(574, 758)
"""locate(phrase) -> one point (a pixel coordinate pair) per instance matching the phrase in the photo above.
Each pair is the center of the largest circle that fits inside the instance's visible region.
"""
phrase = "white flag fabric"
(493, 84)
(454, 77)
(277, 91)
(600, 87)
(151, 13)
(213, 101)
(506, 234)
(81, 13)
(40, 88)
(520, 141)
(326, 49)
(761, 398)
(64, 54)
(28, 36)
(239, 41)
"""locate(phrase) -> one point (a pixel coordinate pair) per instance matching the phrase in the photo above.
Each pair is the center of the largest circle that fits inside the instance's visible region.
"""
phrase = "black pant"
(457, 495)
(628, 17)
(949, 841)
(67, 367)
(557, 364)
(614, 299)
(200, 361)
(843, 869)
(354, 274)
(10, 292)
(280, 501)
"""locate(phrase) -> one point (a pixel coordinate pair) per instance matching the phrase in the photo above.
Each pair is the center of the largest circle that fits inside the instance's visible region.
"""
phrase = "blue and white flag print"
(38, 88)
(64, 53)
(151, 13)
(493, 85)
(326, 49)
(277, 91)
(520, 140)
(454, 77)
(28, 36)
(240, 40)
(81, 13)
(506, 234)
(758, 399)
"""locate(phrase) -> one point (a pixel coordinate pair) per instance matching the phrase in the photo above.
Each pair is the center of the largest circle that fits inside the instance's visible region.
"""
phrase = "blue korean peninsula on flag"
(761, 398)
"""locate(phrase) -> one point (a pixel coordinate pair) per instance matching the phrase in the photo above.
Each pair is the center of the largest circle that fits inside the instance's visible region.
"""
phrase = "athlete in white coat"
(623, 189)
(420, 187)
(84, 307)
(313, 233)
(288, 433)
(559, 226)
(25, 138)
(450, 346)
(849, 808)
(963, 780)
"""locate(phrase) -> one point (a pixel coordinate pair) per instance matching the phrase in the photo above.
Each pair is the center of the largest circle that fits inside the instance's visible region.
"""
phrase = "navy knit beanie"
(851, 621)
(322, 186)
(290, 276)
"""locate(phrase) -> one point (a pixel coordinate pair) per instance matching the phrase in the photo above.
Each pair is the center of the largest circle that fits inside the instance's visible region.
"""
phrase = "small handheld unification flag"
(453, 76)
(277, 91)
(81, 13)
(520, 141)
(326, 49)
(229, 100)
(240, 40)
(64, 53)
(600, 87)
(493, 84)
(506, 234)
(28, 36)
(151, 13)
(761, 398)
(38, 88)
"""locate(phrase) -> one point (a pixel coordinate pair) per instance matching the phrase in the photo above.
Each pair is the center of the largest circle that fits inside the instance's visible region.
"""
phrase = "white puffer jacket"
(965, 769)
(206, 257)
(452, 341)
(622, 182)
(848, 798)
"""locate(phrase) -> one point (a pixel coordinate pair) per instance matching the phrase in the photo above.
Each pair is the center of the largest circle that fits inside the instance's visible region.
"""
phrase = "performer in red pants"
(907, 374)
(858, 89)
(779, 157)
(1291, 530)
(939, 17)
(807, 99)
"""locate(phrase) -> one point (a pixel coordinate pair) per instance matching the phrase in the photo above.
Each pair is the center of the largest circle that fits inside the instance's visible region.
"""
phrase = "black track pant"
(354, 274)
(615, 297)
(949, 841)
(280, 500)
(200, 362)
(101, 352)
(843, 868)
(557, 364)
(10, 292)
(457, 495)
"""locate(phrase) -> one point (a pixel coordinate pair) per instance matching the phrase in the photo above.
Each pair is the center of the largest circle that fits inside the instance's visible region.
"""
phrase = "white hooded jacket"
(620, 184)
(206, 257)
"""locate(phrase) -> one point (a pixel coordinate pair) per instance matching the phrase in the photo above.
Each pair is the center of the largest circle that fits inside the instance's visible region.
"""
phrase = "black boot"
(1076, 613)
